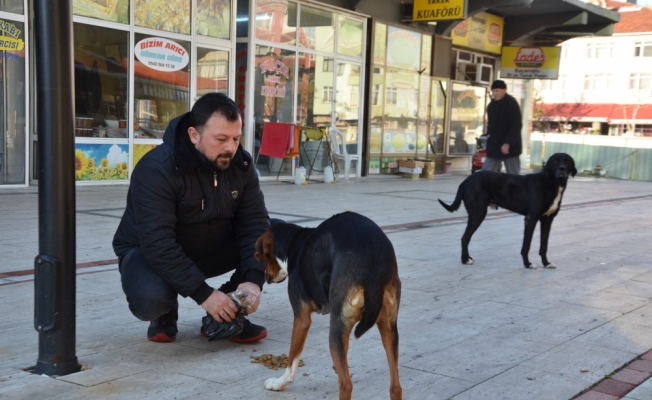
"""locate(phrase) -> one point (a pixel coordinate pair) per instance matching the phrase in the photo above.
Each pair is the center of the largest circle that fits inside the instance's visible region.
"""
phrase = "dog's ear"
(573, 170)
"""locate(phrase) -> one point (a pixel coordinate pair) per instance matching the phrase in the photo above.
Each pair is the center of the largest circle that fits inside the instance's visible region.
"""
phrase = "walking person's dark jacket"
(505, 123)
(179, 210)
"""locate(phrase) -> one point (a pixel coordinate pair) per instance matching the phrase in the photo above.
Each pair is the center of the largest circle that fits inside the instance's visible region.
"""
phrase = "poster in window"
(101, 162)
(164, 15)
(403, 49)
(214, 18)
(107, 10)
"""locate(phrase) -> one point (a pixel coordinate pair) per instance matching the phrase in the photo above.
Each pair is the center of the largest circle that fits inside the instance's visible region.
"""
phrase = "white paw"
(470, 261)
(531, 266)
(277, 384)
(551, 266)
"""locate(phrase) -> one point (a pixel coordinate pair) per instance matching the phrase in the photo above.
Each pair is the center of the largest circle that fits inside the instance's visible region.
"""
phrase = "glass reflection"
(212, 71)
(467, 117)
(317, 29)
(276, 21)
(349, 39)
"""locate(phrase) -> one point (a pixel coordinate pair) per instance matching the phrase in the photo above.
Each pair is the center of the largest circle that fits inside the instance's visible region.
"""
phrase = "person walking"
(194, 211)
(504, 125)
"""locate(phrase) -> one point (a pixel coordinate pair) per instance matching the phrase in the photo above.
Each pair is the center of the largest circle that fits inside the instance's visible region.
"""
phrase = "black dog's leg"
(476, 216)
(546, 223)
(530, 224)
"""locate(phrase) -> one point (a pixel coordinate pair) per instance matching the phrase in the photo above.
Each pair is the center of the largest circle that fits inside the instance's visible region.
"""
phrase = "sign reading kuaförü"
(438, 10)
(162, 54)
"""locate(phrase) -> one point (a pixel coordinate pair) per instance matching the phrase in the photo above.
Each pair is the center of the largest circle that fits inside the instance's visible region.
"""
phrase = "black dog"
(537, 196)
(346, 267)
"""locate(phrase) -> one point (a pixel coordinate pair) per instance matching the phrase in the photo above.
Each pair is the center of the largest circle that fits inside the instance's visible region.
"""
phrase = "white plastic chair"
(338, 147)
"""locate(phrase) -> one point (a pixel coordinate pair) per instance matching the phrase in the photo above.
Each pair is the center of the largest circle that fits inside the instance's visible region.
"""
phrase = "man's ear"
(194, 135)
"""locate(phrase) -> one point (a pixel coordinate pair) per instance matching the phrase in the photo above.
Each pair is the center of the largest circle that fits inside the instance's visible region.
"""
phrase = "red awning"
(612, 113)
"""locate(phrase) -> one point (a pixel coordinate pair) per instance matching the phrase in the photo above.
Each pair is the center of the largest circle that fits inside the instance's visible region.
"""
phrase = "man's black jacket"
(504, 126)
(179, 210)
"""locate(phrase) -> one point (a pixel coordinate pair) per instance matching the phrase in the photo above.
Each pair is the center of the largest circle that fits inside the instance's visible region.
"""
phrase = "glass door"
(468, 105)
(346, 103)
(438, 116)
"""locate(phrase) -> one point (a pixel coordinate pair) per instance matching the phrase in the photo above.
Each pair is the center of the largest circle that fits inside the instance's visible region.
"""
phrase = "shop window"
(273, 96)
(276, 21)
(12, 6)
(163, 15)
(329, 64)
(426, 54)
(349, 39)
(643, 49)
(376, 114)
(317, 30)
(212, 71)
(101, 59)
(346, 104)
(467, 118)
(403, 49)
(327, 96)
(214, 18)
(161, 86)
(13, 149)
(242, 19)
(107, 10)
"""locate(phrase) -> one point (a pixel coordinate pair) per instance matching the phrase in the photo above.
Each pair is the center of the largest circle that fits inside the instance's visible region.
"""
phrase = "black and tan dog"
(346, 267)
(537, 196)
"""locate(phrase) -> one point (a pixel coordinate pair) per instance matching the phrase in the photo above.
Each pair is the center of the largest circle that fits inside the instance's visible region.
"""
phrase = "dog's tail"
(457, 202)
(373, 302)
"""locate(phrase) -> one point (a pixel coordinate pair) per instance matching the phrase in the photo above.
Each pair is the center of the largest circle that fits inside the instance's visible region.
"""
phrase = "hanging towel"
(276, 139)
(293, 150)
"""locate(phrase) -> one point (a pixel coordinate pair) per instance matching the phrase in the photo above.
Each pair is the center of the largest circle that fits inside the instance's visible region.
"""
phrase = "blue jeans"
(149, 296)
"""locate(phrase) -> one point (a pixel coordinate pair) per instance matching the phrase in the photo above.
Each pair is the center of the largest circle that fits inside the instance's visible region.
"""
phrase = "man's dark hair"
(213, 103)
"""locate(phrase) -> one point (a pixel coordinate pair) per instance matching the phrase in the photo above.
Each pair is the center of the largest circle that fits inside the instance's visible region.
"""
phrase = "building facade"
(395, 88)
(605, 83)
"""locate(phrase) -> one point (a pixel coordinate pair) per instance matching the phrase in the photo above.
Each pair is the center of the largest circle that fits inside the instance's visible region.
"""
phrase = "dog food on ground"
(273, 362)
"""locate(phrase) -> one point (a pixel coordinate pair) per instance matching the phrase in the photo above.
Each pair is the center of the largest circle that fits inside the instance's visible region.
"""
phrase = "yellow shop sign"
(438, 10)
(530, 62)
(482, 31)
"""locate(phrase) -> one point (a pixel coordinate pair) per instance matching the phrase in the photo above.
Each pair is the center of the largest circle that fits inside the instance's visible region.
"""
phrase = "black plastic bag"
(223, 330)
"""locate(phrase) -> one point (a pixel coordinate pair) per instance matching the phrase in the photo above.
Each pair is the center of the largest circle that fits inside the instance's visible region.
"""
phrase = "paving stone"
(631, 376)
(593, 395)
(642, 392)
(614, 387)
(641, 365)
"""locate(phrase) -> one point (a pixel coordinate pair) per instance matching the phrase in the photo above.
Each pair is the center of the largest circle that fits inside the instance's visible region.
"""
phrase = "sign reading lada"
(530, 62)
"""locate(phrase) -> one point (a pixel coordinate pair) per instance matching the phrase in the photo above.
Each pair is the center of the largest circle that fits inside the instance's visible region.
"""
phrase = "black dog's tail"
(373, 302)
(457, 202)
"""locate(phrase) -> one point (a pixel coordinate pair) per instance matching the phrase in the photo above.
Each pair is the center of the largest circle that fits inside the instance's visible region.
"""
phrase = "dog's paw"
(531, 266)
(277, 384)
(551, 266)
(493, 206)
(470, 261)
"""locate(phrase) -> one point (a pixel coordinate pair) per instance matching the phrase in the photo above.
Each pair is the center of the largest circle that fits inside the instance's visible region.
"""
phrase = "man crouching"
(194, 211)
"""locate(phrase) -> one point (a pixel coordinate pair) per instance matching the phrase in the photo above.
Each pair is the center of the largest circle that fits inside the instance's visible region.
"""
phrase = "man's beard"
(222, 161)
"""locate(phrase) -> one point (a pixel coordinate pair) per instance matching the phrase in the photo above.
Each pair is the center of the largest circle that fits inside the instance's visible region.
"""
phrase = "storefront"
(302, 64)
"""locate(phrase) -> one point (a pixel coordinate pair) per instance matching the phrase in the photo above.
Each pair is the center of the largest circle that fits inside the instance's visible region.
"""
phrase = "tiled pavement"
(493, 330)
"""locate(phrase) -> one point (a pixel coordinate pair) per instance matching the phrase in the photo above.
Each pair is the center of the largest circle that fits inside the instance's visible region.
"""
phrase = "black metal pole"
(54, 267)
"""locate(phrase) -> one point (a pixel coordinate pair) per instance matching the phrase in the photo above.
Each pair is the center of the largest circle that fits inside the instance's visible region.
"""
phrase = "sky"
(644, 2)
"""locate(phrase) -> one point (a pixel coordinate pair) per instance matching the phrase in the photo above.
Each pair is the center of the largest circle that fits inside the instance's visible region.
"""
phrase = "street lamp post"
(54, 267)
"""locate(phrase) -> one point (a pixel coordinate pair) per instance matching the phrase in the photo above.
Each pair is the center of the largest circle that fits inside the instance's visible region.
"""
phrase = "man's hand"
(505, 148)
(253, 296)
(220, 306)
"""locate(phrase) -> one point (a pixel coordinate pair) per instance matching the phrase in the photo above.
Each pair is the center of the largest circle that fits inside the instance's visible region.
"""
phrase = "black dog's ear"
(573, 171)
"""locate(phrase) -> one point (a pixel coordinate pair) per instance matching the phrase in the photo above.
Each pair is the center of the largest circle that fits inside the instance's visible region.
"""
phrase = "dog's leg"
(530, 224)
(300, 328)
(389, 334)
(546, 224)
(476, 216)
(340, 330)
